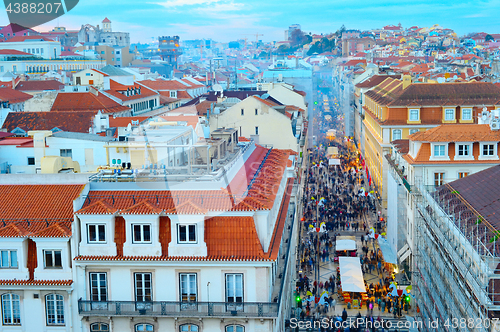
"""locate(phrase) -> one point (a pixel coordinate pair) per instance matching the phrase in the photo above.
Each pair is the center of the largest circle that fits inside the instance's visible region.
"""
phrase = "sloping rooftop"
(68, 121)
(39, 85)
(458, 133)
(114, 71)
(86, 101)
(376, 80)
(13, 96)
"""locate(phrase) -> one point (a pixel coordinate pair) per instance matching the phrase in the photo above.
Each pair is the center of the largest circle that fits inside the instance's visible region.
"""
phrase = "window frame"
(235, 328)
(143, 324)
(9, 259)
(413, 131)
(463, 150)
(256, 111)
(98, 287)
(434, 150)
(100, 329)
(189, 325)
(256, 130)
(400, 134)
(97, 232)
(187, 234)
(31, 159)
(142, 234)
(468, 109)
(233, 276)
(66, 153)
(488, 145)
(144, 297)
(462, 175)
(56, 299)
(53, 266)
(189, 294)
(410, 114)
(453, 113)
(14, 318)
(439, 178)
(242, 111)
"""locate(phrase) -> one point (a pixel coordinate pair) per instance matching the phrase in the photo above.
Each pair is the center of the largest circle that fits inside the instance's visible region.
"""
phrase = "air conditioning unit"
(495, 124)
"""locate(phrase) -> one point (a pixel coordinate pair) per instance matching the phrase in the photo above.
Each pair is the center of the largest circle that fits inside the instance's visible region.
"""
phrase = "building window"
(488, 150)
(188, 287)
(96, 233)
(102, 52)
(234, 287)
(413, 131)
(188, 328)
(396, 134)
(143, 287)
(438, 179)
(142, 233)
(8, 259)
(11, 309)
(235, 328)
(256, 130)
(463, 150)
(99, 327)
(449, 114)
(31, 161)
(187, 233)
(256, 112)
(242, 111)
(98, 287)
(143, 327)
(54, 305)
(462, 174)
(466, 114)
(66, 153)
(439, 150)
(414, 115)
(52, 259)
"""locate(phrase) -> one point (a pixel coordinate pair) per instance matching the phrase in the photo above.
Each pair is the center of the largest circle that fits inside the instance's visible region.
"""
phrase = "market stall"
(351, 276)
(345, 246)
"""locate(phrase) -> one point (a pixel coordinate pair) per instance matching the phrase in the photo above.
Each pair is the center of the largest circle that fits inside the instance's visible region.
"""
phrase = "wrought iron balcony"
(177, 309)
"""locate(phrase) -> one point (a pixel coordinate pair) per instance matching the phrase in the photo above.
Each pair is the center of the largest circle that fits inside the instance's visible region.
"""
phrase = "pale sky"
(226, 20)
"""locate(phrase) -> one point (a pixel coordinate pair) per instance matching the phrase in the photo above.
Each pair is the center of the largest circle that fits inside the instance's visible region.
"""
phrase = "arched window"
(11, 309)
(235, 328)
(143, 327)
(54, 307)
(189, 328)
(99, 327)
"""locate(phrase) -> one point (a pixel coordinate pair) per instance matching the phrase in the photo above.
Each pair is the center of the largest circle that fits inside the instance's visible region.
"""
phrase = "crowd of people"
(336, 202)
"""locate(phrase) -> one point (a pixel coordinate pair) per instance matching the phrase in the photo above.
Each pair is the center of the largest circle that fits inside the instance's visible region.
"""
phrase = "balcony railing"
(178, 309)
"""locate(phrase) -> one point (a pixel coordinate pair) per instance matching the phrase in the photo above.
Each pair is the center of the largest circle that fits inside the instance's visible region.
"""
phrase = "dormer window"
(141, 233)
(488, 150)
(96, 233)
(449, 114)
(466, 114)
(464, 150)
(186, 233)
(439, 150)
(8, 259)
(414, 115)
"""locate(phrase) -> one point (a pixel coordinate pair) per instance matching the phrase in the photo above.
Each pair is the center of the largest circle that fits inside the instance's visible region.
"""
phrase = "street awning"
(387, 251)
(345, 243)
(351, 275)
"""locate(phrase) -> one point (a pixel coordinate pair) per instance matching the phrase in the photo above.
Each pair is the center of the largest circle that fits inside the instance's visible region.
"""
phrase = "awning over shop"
(345, 243)
(351, 275)
(387, 251)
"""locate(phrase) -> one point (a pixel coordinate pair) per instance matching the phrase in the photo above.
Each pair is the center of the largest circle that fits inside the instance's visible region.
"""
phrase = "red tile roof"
(106, 20)
(159, 85)
(86, 101)
(169, 258)
(39, 85)
(38, 202)
(79, 122)
(28, 38)
(375, 80)
(458, 133)
(32, 282)
(116, 88)
(274, 246)
(143, 207)
(34, 229)
(123, 121)
(14, 52)
(99, 207)
(13, 96)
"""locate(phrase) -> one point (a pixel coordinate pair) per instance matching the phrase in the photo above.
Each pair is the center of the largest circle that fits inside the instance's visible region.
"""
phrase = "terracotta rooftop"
(391, 93)
(236, 197)
(35, 229)
(402, 145)
(116, 89)
(376, 80)
(67, 121)
(28, 38)
(458, 133)
(123, 121)
(14, 52)
(86, 101)
(38, 202)
(39, 85)
(32, 282)
(13, 96)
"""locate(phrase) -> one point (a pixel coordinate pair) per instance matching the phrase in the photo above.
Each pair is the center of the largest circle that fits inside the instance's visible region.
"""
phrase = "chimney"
(406, 81)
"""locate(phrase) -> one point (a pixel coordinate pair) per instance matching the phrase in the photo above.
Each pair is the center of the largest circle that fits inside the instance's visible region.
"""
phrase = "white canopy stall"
(345, 243)
(351, 275)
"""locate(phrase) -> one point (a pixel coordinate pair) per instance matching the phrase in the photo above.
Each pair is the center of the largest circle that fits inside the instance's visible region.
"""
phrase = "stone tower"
(106, 25)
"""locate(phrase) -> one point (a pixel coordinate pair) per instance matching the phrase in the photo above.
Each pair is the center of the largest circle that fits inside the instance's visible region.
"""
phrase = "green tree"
(489, 38)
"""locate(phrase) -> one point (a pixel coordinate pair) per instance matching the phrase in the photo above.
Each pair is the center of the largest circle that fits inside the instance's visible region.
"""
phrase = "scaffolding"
(455, 263)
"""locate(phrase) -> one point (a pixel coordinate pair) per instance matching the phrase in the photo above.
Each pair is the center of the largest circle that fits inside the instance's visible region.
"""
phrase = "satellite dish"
(440, 79)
